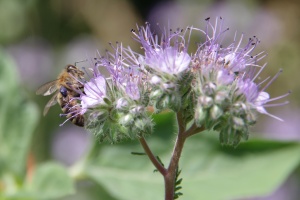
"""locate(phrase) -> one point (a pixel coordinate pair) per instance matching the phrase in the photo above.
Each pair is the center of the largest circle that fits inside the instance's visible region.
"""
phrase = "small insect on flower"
(69, 88)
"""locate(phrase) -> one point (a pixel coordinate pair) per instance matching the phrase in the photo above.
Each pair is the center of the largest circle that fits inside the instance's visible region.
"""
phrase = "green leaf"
(128, 184)
(50, 181)
(210, 171)
(254, 168)
(18, 119)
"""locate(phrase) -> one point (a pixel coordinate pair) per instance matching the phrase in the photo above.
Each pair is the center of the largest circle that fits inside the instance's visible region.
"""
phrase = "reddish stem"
(153, 159)
(169, 174)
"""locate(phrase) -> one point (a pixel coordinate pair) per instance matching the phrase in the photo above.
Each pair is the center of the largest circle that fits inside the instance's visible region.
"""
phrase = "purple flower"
(228, 98)
(167, 54)
(211, 55)
(214, 86)
(94, 92)
(125, 70)
(257, 97)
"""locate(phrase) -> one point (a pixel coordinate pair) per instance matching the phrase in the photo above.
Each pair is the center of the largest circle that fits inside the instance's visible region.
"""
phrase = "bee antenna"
(86, 72)
(80, 61)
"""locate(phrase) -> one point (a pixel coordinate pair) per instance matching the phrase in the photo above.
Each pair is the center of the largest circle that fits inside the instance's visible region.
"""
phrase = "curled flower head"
(115, 106)
(167, 62)
(212, 55)
(226, 77)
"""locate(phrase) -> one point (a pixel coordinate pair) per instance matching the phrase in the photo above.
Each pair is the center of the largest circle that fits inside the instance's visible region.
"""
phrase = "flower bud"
(156, 94)
(251, 118)
(107, 101)
(238, 123)
(122, 104)
(220, 97)
(143, 126)
(216, 112)
(200, 116)
(169, 86)
(209, 89)
(137, 110)
(126, 120)
(155, 80)
(206, 101)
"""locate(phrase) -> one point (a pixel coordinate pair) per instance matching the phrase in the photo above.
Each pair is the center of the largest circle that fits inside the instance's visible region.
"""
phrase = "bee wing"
(47, 88)
(50, 103)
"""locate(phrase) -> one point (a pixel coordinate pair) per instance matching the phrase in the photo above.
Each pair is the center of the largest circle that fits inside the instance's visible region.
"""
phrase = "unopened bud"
(122, 104)
(200, 116)
(216, 112)
(169, 86)
(238, 123)
(209, 89)
(155, 80)
(126, 120)
(206, 101)
(220, 97)
(251, 118)
(137, 110)
(156, 94)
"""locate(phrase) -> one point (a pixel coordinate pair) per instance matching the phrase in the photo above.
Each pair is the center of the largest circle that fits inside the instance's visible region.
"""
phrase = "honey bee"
(68, 87)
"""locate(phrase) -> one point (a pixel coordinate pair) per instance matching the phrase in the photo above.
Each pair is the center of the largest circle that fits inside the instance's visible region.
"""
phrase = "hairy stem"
(180, 140)
(171, 171)
(153, 159)
(169, 174)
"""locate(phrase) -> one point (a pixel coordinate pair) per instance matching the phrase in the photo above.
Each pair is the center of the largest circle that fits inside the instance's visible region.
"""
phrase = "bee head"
(71, 69)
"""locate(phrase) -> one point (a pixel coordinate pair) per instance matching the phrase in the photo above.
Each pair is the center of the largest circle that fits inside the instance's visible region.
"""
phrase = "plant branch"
(193, 130)
(153, 159)
(180, 122)
(171, 171)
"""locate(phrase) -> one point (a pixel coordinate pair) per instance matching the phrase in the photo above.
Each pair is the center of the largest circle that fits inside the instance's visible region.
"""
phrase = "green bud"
(97, 116)
(239, 108)
(143, 126)
(221, 97)
(251, 118)
(107, 101)
(122, 104)
(209, 89)
(200, 116)
(126, 120)
(238, 123)
(169, 87)
(206, 101)
(137, 110)
(156, 94)
(237, 138)
(216, 112)
(224, 136)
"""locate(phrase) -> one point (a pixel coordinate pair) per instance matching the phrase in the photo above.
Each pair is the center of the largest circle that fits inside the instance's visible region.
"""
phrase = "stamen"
(280, 97)
(272, 80)
(276, 104)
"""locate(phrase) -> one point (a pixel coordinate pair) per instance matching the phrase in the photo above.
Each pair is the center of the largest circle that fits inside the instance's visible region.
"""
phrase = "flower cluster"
(214, 87)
